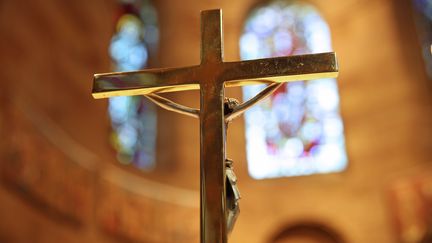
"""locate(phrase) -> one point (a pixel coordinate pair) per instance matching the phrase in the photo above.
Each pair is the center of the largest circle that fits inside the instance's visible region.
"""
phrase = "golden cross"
(211, 76)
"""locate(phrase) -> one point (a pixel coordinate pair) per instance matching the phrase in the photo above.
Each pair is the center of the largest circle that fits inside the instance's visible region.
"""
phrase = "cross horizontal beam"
(279, 69)
(147, 81)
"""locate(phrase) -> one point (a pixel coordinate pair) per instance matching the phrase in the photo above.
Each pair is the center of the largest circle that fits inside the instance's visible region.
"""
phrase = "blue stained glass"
(424, 6)
(423, 17)
(298, 130)
(133, 119)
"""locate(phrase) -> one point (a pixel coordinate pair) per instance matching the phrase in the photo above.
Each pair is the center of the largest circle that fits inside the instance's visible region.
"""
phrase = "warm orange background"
(60, 179)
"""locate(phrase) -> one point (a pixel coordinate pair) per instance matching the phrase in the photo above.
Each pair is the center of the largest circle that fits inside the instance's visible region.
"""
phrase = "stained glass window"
(133, 119)
(298, 130)
(423, 17)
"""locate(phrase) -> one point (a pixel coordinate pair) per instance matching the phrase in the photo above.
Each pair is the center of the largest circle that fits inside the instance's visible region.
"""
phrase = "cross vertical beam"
(211, 36)
(212, 161)
(212, 165)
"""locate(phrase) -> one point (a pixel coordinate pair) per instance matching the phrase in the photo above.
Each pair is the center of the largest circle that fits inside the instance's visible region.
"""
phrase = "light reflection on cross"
(211, 77)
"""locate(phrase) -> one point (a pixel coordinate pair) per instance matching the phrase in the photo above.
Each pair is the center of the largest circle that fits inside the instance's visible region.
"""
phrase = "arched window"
(298, 130)
(133, 119)
(423, 17)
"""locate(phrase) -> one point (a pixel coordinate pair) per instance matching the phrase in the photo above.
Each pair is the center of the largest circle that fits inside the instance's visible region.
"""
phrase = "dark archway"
(307, 232)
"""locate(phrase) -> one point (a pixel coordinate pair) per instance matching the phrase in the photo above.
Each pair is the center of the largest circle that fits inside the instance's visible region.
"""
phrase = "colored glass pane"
(298, 130)
(423, 17)
(133, 119)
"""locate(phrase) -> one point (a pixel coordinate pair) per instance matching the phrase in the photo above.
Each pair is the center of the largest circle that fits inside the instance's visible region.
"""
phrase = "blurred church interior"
(341, 160)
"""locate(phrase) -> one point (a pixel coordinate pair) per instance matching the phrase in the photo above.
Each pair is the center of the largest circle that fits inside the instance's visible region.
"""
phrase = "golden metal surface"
(211, 77)
(279, 69)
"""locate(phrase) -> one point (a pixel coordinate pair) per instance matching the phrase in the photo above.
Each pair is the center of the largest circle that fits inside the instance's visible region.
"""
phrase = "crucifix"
(211, 76)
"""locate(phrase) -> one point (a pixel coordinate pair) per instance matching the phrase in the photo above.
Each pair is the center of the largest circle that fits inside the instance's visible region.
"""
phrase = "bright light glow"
(127, 49)
(298, 130)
